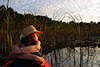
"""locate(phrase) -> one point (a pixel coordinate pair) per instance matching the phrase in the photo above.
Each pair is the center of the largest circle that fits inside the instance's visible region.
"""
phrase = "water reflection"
(68, 57)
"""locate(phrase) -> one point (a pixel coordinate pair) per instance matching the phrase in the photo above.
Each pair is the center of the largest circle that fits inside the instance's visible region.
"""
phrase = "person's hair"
(28, 39)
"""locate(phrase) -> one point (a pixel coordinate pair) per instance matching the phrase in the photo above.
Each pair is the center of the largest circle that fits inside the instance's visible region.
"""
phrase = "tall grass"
(6, 36)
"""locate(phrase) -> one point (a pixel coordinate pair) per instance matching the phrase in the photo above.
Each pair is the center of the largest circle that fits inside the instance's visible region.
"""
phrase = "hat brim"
(21, 36)
(38, 32)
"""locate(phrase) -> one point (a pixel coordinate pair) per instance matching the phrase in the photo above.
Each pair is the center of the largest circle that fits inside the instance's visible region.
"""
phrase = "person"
(27, 52)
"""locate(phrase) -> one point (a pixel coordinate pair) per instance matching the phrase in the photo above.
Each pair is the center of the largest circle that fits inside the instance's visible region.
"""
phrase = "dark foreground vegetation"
(56, 34)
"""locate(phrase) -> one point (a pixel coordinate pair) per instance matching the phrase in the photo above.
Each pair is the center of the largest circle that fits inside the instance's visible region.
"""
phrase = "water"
(96, 62)
(68, 57)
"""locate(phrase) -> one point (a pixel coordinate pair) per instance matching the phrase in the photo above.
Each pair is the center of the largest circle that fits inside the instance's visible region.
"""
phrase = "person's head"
(29, 35)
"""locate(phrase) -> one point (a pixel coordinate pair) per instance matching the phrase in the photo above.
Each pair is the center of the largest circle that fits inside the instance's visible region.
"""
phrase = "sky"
(65, 10)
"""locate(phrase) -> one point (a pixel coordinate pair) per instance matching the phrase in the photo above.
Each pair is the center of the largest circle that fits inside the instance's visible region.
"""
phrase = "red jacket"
(46, 64)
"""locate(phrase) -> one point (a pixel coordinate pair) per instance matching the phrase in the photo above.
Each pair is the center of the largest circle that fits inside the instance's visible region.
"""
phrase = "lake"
(78, 57)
